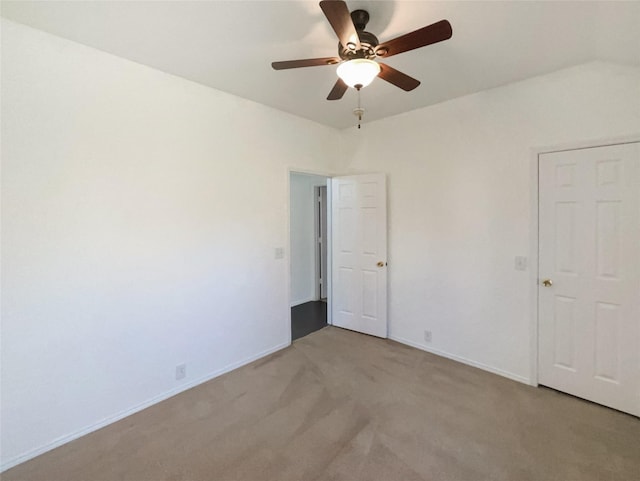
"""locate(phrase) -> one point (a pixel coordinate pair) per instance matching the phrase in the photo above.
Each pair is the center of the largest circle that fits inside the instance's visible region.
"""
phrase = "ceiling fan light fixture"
(359, 72)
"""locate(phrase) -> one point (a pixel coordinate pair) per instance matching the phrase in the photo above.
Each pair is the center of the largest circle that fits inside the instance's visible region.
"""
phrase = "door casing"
(321, 247)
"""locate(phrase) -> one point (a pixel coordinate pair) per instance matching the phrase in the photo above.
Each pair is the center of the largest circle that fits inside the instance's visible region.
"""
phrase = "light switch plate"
(521, 263)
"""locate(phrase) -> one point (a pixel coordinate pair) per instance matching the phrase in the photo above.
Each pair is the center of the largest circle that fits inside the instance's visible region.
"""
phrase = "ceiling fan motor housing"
(368, 41)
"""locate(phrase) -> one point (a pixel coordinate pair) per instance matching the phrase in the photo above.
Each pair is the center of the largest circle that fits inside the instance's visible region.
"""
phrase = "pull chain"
(359, 111)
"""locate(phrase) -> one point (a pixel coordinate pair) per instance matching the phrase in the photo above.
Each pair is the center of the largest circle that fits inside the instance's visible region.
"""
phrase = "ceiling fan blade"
(339, 17)
(434, 33)
(309, 62)
(397, 78)
(338, 90)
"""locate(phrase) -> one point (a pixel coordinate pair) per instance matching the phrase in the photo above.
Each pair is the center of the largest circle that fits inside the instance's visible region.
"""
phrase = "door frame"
(295, 170)
(317, 213)
(534, 226)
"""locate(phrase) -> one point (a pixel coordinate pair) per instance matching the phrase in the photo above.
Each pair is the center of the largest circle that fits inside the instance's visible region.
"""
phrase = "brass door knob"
(380, 264)
(547, 283)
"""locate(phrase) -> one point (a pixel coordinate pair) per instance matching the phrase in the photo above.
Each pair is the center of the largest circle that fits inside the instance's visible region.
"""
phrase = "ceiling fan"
(357, 50)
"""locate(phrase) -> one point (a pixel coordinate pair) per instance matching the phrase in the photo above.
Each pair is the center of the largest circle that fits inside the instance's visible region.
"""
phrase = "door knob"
(547, 283)
(380, 264)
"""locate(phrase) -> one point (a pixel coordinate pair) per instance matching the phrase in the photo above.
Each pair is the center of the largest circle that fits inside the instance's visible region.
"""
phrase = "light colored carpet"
(343, 406)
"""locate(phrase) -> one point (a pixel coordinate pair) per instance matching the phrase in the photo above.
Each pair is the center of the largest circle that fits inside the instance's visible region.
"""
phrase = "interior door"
(359, 260)
(589, 314)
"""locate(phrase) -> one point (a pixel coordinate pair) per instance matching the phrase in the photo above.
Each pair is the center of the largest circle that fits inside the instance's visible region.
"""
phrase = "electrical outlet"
(279, 253)
(181, 371)
(427, 336)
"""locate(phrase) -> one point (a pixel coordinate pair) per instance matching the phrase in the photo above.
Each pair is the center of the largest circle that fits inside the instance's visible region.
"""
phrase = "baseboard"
(463, 360)
(304, 301)
(139, 407)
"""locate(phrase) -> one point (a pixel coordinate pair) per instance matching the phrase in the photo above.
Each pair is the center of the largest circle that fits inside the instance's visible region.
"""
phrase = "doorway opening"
(309, 253)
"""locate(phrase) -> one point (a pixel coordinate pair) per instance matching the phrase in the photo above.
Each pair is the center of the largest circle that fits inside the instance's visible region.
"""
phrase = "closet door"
(589, 290)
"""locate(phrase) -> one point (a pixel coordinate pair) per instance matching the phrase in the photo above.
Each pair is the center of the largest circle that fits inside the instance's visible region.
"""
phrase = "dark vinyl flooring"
(307, 318)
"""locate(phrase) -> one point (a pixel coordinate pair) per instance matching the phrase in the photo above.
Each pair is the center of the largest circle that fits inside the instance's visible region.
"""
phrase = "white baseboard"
(139, 407)
(463, 360)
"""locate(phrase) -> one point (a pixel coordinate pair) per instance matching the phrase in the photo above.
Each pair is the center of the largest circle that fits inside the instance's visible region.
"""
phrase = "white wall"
(140, 216)
(303, 233)
(459, 177)
(141, 211)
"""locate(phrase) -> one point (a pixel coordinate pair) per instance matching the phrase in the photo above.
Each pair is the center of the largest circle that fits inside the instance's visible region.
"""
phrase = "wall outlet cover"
(427, 336)
(181, 371)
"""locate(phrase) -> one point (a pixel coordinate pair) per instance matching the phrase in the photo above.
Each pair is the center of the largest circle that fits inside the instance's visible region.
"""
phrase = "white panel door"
(359, 246)
(589, 317)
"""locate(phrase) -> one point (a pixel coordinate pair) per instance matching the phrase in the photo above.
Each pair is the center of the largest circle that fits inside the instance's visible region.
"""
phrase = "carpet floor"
(338, 405)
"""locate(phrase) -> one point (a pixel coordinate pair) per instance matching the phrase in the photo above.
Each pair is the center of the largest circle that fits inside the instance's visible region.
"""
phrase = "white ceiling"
(229, 45)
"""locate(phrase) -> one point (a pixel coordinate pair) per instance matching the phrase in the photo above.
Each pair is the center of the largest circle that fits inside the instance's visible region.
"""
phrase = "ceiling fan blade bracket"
(368, 44)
